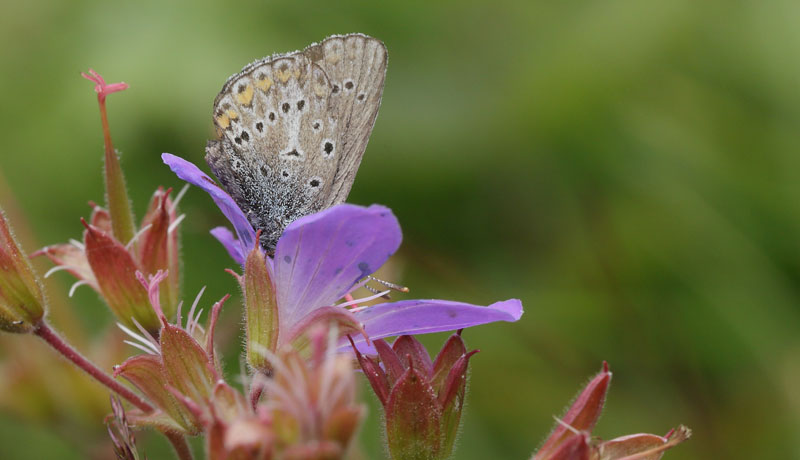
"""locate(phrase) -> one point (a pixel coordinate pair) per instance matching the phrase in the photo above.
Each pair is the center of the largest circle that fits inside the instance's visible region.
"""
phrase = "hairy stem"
(180, 445)
(54, 340)
(119, 205)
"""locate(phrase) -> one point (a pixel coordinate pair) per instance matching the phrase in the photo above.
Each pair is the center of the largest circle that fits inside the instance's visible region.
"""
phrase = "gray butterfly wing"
(293, 129)
(356, 68)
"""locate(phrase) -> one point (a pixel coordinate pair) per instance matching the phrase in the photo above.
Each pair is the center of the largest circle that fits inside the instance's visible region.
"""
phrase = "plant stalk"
(54, 340)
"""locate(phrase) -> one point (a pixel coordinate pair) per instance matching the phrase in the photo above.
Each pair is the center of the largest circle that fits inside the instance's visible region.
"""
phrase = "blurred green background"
(628, 168)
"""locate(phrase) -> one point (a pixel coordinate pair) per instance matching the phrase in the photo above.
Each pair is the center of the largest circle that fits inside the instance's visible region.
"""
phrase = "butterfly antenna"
(392, 286)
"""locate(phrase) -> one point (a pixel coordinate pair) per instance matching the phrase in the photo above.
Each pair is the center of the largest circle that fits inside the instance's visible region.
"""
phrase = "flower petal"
(73, 257)
(424, 316)
(230, 243)
(192, 174)
(632, 444)
(320, 257)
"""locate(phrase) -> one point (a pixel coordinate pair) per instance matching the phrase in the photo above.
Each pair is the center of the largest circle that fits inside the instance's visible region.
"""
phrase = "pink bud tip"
(101, 87)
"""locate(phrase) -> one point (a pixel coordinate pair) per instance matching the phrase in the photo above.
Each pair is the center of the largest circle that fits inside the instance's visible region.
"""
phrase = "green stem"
(119, 205)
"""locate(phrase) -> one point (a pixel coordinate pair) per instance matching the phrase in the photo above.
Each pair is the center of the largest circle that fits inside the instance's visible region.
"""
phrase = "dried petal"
(631, 444)
(643, 446)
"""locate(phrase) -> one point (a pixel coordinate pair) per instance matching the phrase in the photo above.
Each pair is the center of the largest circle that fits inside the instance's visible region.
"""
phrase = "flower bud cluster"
(571, 438)
(422, 399)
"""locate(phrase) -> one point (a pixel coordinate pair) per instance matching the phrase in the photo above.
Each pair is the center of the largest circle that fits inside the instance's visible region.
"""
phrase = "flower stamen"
(58, 268)
(362, 300)
(390, 285)
(175, 224)
(194, 304)
(137, 235)
(139, 346)
(178, 198)
(75, 286)
(141, 342)
(146, 334)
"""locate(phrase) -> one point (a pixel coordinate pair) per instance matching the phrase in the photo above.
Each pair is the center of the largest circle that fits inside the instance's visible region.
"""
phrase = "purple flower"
(322, 257)
(237, 248)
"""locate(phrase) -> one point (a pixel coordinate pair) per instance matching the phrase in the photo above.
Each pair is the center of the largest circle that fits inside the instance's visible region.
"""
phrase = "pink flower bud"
(261, 310)
(571, 438)
(22, 302)
(115, 271)
(179, 375)
(109, 266)
(312, 401)
(157, 245)
(422, 400)
(581, 416)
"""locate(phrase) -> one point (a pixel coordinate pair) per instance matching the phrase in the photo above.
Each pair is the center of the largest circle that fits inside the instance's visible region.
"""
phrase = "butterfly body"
(293, 129)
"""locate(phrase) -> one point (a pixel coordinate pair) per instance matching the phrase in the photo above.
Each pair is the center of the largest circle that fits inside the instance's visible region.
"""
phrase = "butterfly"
(293, 128)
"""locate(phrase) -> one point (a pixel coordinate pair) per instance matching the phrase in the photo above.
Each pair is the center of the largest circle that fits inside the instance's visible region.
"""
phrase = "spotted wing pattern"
(293, 128)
